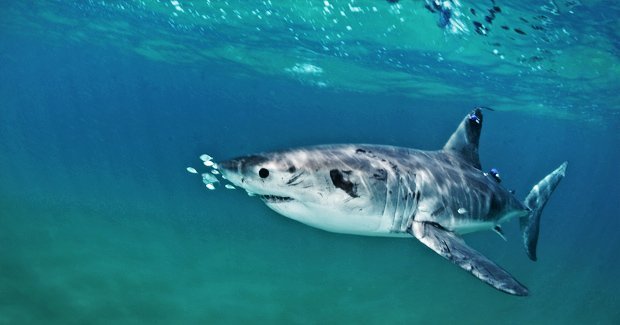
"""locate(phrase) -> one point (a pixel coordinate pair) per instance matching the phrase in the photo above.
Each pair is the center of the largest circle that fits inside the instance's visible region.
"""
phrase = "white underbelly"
(364, 225)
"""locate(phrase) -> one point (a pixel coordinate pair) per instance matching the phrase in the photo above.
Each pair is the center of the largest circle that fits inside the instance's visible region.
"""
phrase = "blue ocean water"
(104, 105)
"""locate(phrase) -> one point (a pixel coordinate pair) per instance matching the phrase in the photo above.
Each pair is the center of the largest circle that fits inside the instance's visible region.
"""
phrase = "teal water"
(104, 104)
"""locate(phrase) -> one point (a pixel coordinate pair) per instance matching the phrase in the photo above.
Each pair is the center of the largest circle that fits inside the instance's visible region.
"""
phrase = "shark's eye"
(263, 173)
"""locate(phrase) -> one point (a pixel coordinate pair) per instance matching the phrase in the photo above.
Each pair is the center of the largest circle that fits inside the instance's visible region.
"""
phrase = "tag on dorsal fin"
(464, 141)
(498, 230)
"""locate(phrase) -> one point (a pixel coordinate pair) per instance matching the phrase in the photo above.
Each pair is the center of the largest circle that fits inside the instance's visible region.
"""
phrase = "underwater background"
(103, 105)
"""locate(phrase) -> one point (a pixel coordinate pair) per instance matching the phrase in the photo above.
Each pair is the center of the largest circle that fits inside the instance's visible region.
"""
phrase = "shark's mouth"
(275, 198)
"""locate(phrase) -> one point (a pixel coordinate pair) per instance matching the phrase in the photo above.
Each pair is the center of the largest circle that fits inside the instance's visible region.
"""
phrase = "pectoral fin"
(453, 248)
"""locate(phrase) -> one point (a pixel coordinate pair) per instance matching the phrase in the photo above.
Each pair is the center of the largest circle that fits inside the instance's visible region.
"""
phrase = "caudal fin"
(536, 201)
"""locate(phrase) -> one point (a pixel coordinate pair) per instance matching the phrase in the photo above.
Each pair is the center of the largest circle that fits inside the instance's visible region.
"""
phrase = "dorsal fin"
(464, 141)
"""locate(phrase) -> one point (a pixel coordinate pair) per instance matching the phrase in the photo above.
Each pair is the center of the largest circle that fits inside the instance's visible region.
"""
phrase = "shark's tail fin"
(536, 201)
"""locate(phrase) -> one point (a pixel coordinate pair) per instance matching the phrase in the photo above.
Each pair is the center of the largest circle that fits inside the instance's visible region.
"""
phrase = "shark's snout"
(231, 170)
(229, 165)
(238, 170)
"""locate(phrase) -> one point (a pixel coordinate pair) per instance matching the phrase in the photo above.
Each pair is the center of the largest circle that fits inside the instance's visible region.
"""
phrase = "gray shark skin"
(376, 190)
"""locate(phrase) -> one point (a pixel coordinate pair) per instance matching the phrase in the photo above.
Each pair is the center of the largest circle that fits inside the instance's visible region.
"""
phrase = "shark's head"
(316, 186)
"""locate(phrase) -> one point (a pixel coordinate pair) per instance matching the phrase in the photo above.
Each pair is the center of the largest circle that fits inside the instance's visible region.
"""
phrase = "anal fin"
(453, 248)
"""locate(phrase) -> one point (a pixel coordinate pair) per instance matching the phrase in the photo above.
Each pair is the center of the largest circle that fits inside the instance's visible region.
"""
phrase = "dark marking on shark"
(393, 166)
(380, 174)
(340, 179)
(293, 179)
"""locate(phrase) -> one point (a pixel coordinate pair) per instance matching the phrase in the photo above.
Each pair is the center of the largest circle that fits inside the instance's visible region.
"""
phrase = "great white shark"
(380, 190)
